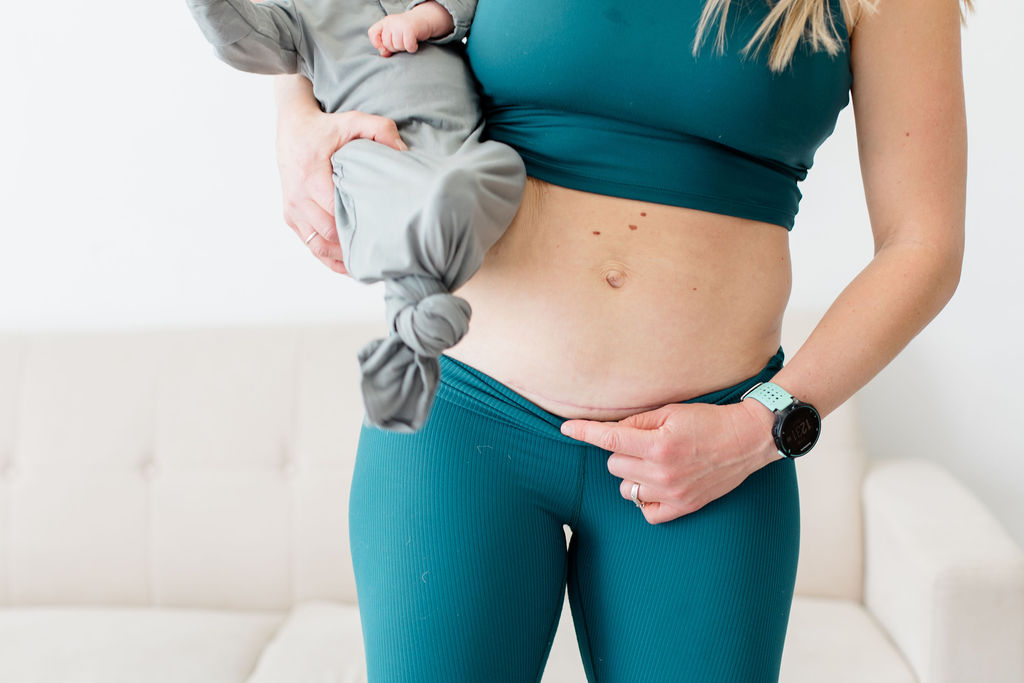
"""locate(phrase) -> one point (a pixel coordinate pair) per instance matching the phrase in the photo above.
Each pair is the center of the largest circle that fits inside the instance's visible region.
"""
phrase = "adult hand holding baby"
(459, 192)
(306, 139)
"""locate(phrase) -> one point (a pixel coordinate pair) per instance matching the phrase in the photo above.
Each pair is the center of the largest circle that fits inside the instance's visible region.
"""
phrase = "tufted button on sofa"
(174, 508)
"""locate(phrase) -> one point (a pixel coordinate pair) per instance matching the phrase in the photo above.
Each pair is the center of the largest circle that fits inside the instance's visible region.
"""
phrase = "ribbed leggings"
(461, 562)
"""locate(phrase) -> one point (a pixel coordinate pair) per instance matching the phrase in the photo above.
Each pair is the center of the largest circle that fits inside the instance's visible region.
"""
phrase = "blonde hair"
(807, 19)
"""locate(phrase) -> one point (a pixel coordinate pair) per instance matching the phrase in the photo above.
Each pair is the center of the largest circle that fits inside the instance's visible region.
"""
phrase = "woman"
(635, 299)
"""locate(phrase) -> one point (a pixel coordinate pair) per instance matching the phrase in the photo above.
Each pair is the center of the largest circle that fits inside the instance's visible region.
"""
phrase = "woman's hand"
(306, 139)
(683, 455)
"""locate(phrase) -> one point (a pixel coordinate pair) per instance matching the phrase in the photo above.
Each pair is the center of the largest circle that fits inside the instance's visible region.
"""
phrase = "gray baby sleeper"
(420, 220)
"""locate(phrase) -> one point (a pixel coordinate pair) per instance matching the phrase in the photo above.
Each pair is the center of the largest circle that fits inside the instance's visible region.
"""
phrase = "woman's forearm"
(293, 94)
(903, 288)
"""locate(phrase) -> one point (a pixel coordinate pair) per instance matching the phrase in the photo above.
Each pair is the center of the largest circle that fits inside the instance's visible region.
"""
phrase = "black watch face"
(800, 430)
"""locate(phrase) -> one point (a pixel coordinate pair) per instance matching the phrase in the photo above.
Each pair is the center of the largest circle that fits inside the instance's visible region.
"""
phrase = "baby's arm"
(255, 37)
(438, 22)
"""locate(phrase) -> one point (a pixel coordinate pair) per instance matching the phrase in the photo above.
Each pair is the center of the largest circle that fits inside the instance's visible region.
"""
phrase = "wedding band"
(634, 493)
(311, 236)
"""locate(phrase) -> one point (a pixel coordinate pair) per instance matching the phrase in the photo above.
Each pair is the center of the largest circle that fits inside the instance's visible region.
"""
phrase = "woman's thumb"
(652, 419)
(387, 133)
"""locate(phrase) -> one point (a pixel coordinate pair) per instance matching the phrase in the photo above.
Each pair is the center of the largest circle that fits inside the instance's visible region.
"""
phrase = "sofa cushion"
(828, 640)
(130, 645)
(838, 641)
(320, 642)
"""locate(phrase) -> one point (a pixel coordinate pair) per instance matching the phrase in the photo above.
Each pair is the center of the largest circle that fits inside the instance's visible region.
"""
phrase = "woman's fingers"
(327, 252)
(650, 419)
(305, 216)
(632, 468)
(334, 264)
(320, 212)
(614, 436)
(337, 266)
(647, 493)
(303, 202)
(307, 188)
(321, 248)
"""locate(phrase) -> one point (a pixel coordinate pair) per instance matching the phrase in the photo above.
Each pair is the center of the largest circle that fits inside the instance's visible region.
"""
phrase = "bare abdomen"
(600, 307)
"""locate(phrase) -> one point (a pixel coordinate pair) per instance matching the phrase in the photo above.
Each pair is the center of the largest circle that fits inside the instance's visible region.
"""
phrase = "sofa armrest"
(941, 575)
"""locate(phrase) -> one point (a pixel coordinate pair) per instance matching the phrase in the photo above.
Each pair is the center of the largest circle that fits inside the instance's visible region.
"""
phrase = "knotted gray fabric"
(420, 220)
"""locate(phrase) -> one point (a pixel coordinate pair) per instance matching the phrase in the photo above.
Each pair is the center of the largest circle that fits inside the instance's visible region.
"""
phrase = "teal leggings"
(461, 562)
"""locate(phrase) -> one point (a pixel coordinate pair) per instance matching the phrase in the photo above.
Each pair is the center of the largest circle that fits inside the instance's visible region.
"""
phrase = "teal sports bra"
(606, 97)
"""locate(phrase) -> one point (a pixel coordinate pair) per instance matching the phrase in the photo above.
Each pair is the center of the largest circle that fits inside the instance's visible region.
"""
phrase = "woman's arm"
(306, 139)
(908, 100)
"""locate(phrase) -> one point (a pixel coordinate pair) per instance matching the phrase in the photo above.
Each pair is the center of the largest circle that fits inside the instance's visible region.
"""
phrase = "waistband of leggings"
(732, 394)
(481, 393)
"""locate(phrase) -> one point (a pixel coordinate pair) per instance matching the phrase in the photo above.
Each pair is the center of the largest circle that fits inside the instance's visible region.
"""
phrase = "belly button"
(615, 278)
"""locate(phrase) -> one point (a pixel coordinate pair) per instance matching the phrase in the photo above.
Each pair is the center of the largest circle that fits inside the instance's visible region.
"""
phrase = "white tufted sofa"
(173, 508)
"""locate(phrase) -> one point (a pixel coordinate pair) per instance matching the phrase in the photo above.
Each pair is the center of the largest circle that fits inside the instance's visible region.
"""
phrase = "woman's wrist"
(756, 434)
(299, 124)
(293, 94)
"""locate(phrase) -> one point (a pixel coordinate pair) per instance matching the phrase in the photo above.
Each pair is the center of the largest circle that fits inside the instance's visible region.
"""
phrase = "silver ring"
(311, 236)
(634, 493)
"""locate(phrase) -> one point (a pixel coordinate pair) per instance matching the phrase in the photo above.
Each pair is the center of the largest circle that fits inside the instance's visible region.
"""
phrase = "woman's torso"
(664, 304)
(599, 306)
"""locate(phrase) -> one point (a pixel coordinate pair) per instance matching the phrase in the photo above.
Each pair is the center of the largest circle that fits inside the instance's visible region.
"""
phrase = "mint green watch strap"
(774, 397)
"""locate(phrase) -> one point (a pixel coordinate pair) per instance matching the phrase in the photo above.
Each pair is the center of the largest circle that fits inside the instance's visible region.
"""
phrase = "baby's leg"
(255, 37)
(421, 220)
(427, 211)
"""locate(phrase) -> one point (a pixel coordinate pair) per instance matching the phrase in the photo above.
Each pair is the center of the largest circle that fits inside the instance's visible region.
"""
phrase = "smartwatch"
(797, 424)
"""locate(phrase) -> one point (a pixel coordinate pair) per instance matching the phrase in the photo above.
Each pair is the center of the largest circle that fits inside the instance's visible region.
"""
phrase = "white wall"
(138, 187)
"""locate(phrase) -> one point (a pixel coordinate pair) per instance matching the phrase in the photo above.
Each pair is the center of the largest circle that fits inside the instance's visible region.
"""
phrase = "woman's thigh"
(705, 597)
(458, 548)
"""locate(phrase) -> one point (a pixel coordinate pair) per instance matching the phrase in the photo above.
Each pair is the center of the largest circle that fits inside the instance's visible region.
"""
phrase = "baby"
(420, 219)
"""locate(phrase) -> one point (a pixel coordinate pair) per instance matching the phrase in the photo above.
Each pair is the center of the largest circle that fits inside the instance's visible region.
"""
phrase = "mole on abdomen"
(643, 213)
(632, 227)
(597, 232)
